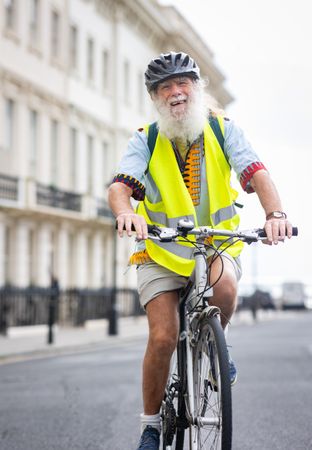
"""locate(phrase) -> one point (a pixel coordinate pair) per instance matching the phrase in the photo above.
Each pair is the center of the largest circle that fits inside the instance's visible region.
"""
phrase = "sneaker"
(232, 369)
(150, 439)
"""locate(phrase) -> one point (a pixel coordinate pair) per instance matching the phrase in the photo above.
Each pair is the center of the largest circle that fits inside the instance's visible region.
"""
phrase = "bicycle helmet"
(169, 65)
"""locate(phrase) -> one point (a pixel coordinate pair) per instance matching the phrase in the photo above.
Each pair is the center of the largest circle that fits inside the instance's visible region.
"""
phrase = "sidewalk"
(31, 342)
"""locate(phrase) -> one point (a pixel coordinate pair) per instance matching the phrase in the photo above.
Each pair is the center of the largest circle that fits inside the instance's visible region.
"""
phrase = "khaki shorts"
(154, 279)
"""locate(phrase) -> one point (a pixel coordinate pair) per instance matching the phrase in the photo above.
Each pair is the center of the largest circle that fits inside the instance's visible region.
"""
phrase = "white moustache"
(175, 100)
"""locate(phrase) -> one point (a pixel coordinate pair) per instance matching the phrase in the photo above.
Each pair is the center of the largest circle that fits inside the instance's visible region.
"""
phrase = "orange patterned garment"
(191, 174)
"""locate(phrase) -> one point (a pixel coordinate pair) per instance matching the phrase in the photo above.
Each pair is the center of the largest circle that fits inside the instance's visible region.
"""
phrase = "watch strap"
(276, 215)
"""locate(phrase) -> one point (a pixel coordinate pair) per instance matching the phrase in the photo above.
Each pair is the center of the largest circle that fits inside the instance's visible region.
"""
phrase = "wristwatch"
(276, 215)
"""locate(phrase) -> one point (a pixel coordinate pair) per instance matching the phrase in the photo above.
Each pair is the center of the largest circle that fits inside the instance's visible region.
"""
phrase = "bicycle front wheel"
(212, 427)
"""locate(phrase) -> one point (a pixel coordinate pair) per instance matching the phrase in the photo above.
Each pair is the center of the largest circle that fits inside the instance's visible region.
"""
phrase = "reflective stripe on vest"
(162, 219)
(173, 247)
(176, 201)
(223, 214)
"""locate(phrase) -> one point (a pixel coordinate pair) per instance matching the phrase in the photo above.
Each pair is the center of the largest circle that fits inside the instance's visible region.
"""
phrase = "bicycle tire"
(177, 371)
(212, 389)
(180, 432)
(181, 407)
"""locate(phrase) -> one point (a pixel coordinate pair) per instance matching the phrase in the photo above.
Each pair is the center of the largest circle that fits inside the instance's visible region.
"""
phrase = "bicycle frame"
(201, 291)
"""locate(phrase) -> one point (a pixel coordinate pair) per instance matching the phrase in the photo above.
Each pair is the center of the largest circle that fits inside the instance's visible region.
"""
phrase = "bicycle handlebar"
(185, 228)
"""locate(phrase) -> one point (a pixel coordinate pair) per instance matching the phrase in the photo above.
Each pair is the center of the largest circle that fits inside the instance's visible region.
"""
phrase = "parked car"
(259, 299)
(293, 295)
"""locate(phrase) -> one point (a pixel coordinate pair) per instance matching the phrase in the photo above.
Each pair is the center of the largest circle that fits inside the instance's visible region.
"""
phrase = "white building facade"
(71, 94)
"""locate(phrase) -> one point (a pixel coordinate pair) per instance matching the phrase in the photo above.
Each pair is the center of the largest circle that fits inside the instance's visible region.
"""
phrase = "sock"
(153, 421)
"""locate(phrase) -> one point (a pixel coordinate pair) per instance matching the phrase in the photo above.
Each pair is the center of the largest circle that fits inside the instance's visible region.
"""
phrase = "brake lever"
(249, 236)
(167, 234)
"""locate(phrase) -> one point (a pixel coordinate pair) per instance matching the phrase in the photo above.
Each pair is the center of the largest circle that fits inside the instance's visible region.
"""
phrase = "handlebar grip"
(262, 232)
(150, 228)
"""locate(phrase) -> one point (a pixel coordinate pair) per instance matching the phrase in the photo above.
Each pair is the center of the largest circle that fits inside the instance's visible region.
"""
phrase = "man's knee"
(223, 279)
(226, 289)
(163, 341)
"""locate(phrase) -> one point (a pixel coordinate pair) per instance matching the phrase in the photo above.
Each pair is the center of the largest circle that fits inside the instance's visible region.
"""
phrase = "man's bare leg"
(162, 314)
(225, 290)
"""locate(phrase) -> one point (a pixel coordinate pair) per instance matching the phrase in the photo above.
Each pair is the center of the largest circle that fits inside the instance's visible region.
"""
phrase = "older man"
(185, 173)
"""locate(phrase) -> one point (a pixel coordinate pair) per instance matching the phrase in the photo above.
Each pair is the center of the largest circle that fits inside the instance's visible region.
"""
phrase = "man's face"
(174, 94)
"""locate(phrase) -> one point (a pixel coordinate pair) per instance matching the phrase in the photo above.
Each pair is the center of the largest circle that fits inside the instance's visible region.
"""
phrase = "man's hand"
(127, 219)
(119, 200)
(277, 230)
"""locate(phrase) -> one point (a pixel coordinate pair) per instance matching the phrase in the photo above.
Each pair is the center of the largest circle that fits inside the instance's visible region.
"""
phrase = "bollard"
(4, 309)
(54, 295)
(113, 315)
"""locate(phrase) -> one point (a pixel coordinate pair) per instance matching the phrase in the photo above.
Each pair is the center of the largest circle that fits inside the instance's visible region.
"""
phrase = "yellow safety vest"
(176, 202)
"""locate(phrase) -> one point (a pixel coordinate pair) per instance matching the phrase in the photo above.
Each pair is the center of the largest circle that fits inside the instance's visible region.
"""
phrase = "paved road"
(91, 400)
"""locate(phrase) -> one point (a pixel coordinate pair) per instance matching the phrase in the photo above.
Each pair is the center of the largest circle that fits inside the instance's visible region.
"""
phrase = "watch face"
(278, 215)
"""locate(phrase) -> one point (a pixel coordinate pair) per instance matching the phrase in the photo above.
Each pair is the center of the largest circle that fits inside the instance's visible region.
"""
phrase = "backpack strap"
(214, 123)
(152, 136)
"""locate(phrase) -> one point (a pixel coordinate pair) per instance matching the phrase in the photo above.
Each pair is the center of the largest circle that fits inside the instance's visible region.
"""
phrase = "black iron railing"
(32, 306)
(56, 198)
(8, 187)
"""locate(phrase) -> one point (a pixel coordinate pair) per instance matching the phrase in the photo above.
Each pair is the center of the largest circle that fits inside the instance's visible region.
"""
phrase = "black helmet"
(168, 65)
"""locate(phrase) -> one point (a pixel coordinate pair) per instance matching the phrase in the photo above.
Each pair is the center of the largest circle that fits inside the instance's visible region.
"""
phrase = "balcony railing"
(56, 198)
(8, 187)
(103, 209)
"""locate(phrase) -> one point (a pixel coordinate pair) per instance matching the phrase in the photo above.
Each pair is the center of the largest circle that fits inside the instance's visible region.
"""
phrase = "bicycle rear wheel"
(212, 389)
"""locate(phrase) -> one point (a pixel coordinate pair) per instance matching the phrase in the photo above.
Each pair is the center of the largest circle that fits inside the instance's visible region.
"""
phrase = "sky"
(263, 48)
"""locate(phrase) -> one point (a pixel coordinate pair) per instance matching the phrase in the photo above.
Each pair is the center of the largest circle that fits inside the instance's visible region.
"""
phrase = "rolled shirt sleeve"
(133, 165)
(240, 154)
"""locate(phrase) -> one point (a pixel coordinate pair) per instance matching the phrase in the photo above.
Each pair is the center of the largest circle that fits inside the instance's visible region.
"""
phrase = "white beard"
(189, 125)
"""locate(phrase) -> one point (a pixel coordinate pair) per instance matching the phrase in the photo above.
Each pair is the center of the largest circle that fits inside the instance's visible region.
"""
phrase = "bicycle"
(198, 392)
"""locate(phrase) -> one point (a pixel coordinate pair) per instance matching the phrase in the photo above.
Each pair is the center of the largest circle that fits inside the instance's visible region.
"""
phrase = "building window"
(72, 259)
(105, 169)
(9, 124)
(90, 59)
(55, 35)
(32, 257)
(10, 14)
(33, 144)
(7, 254)
(73, 39)
(90, 251)
(54, 151)
(90, 163)
(73, 158)
(105, 254)
(105, 71)
(140, 92)
(126, 81)
(34, 22)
